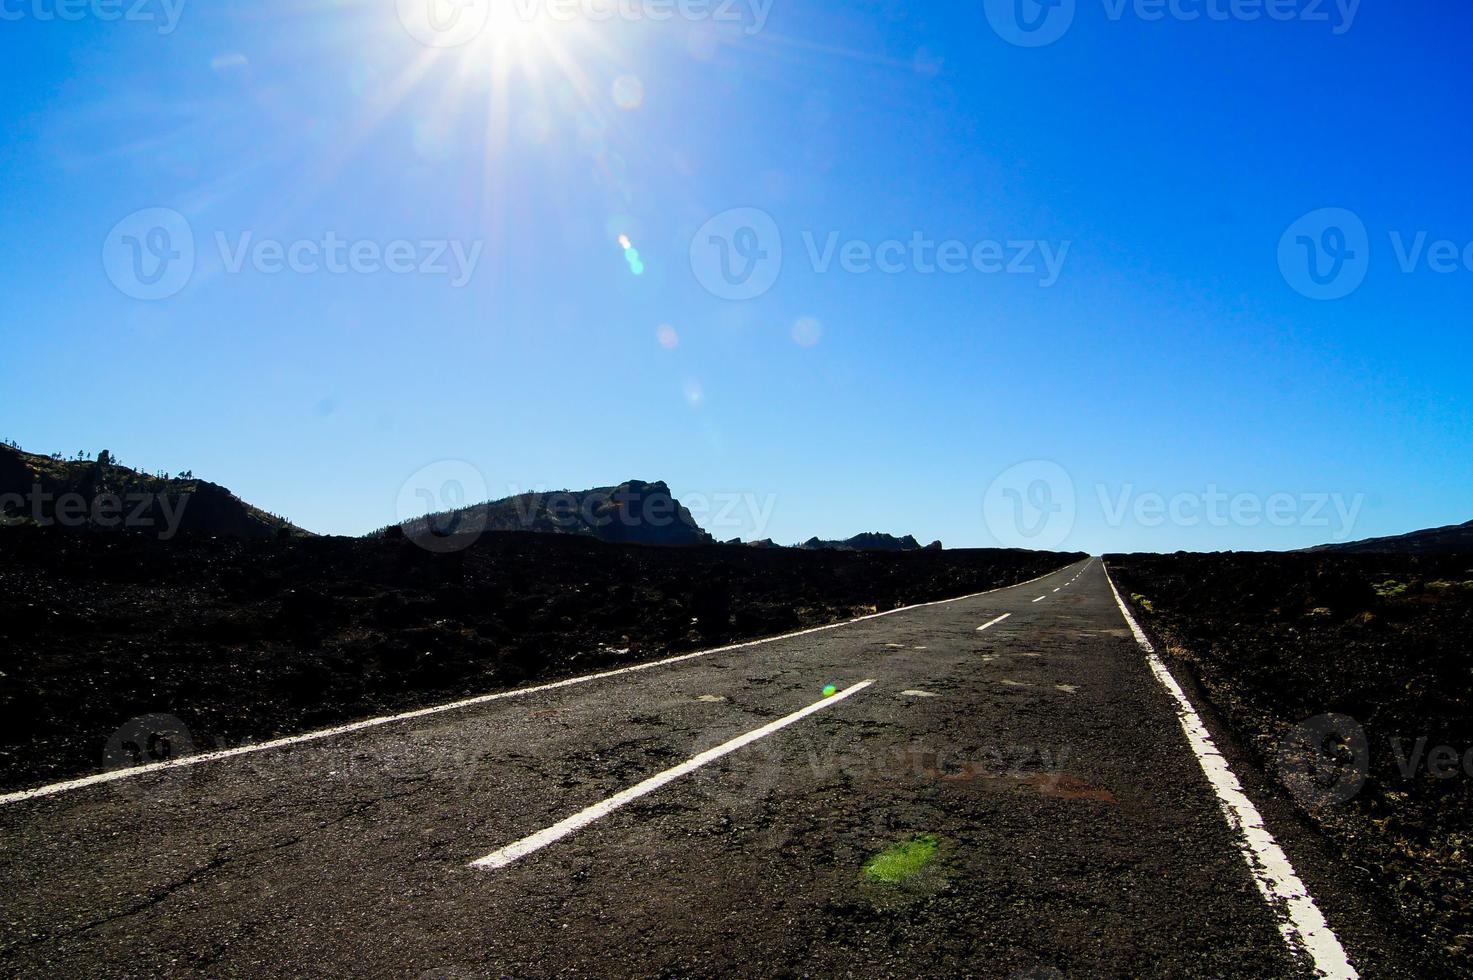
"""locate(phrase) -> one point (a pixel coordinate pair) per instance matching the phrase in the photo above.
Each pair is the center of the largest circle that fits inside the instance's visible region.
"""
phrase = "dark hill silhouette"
(102, 494)
(631, 513)
(871, 541)
(1451, 540)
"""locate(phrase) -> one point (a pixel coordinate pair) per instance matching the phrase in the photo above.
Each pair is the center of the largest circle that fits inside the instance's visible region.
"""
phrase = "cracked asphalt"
(1077, 835)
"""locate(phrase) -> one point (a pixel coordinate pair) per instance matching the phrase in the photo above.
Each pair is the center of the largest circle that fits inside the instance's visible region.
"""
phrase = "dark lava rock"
(257, 638)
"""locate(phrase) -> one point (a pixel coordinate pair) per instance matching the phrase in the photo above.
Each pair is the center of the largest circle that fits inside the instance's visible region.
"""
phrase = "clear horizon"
(825, 269)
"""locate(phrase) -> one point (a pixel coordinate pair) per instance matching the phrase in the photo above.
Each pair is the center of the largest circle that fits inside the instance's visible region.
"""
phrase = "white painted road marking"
(1040, 598)
(581, 819)
(993, 623)
(96, 779)
(1300, 921)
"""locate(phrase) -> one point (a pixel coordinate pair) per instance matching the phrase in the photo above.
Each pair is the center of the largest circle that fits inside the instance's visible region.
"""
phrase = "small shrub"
(1392, 589)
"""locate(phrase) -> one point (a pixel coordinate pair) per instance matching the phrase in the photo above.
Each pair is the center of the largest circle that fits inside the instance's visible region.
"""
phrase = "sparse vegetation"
(199, 507)
(1392, 589)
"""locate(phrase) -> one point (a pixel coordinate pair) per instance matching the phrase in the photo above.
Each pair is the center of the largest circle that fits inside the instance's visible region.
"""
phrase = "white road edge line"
(514, 852)
(987, 626)
(1301, 923)
(52, 789)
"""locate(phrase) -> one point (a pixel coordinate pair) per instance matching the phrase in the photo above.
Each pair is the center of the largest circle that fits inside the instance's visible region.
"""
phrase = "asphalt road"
(1076, 832)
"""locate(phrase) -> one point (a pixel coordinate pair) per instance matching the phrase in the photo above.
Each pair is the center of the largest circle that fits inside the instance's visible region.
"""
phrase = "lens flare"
(631, 255)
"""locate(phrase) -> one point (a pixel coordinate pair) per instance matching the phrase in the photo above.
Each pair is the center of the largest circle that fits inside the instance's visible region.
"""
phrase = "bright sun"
(495, 35)
(531, 70)
(527, 36)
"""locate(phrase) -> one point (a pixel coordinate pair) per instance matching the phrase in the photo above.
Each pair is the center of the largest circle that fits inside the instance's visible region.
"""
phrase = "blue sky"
(1161, 162)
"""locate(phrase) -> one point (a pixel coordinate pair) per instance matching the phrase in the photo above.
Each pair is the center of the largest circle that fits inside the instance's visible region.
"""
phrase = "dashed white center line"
(1040, 598)
(513, 852)
(993, 622)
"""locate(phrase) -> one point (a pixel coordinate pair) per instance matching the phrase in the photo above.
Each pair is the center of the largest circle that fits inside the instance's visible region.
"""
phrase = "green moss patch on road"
(904, 861)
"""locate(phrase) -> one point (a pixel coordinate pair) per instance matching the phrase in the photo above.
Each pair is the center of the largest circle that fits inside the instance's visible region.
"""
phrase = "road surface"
(715, 815)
